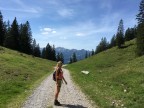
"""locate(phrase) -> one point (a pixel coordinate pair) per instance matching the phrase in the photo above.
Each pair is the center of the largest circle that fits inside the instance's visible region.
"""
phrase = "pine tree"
(113, 41)
(53, 53)
(140, 15)
(86, 55)
(58, 57)
(28, 38)
(74, 58)
(43, 53)
(33, 46)
(140, 30)
(130, 34)
(37, 52)
(9, 39)
(70, 61)
(2, 32)
(120, 34)
(61, 58)
(92, 52)
(14, 32)
(103, 45)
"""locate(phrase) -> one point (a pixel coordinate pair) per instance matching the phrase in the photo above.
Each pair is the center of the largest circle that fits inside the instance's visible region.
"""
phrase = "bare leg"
(57, 92)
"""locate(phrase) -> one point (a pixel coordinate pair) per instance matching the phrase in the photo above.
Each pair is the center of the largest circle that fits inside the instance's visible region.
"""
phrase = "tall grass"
(116, 77)
(19, 75)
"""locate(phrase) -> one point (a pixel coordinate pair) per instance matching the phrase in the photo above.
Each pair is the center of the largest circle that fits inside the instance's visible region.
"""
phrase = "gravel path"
(70, 95)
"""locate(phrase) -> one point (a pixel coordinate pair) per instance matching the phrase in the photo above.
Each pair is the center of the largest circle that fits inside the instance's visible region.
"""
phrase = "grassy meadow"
(116, 78)
(19, 75)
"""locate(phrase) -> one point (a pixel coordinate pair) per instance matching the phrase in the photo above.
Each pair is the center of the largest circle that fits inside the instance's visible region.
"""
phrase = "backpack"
(54, 75)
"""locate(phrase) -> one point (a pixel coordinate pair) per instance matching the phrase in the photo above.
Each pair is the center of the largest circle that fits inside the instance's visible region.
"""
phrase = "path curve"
(70, 95)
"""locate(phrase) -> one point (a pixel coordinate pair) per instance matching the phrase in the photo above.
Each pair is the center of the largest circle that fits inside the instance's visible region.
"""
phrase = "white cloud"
(80, 34)
(47, 30)
(66, 12)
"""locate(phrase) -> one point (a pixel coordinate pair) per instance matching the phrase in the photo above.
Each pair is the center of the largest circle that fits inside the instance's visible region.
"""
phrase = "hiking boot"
(57, 103)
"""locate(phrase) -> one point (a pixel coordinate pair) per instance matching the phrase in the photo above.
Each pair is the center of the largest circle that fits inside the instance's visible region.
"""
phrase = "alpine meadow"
(95, 48)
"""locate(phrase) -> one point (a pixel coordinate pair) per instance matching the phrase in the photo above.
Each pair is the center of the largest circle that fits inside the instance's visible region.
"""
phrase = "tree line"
(117, 39)
(121, 37)
(19, 37)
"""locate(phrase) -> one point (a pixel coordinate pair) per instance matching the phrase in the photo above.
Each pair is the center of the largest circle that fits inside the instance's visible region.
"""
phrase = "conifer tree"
(2, 32)
(113, 41)
(70, 61)
(8, 38)
(37, 52)
(58, 57)
(61, 58)
(120, 34)
(14, 32)
(74, 58)
(92, 52)
(86, 55)
(33, 46)
(28, 38)
(103, 45)
(43, 53)
(53, 53)
(25, 40)
(140, 30)
(130, 34)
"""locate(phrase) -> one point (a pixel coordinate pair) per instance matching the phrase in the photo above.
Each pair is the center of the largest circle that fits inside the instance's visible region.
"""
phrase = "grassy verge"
(116, 77)
(19, 75)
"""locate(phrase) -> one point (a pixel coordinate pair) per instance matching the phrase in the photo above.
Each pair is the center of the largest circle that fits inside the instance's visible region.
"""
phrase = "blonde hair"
(59, 64)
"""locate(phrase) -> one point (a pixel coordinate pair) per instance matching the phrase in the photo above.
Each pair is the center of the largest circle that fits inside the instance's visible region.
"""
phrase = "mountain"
(67, 53)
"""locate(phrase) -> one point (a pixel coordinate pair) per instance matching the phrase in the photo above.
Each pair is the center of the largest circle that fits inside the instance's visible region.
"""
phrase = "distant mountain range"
(67, 53)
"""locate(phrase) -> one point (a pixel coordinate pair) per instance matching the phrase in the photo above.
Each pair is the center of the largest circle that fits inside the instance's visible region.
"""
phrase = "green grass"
(116, 75)
(19, 75)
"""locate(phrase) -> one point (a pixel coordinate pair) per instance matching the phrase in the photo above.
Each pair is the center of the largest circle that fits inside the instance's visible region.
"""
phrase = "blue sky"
(78, 24)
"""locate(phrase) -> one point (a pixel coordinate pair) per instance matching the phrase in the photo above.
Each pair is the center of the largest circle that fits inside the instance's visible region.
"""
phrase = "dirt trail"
(70, 95)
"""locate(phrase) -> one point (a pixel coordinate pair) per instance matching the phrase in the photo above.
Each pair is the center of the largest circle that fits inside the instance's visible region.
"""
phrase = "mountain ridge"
(67, 53)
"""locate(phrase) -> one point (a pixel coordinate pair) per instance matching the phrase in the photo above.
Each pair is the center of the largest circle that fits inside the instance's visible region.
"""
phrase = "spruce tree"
(33, 46)
(58, 57)
(25, 38)
(130, 34)
(61, 58)
(86, 55)
(92, 52)
(2, 32)
(43, 53)
(9, 39)
(74, 58)
(120, 34)
(70, 61)
(113, 41)
(103, 45)
(53, 53)
(14, 32)
(140, 30)
(37, 51)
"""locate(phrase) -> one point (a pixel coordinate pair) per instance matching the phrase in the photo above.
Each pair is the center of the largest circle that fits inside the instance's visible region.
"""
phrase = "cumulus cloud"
(47, 30)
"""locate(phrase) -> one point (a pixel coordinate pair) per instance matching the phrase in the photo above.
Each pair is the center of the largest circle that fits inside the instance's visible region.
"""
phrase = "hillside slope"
(116, 77)
(19, 74)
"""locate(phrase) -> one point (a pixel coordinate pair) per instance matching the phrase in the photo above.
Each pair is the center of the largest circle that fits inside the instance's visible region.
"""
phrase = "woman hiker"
(59, 78)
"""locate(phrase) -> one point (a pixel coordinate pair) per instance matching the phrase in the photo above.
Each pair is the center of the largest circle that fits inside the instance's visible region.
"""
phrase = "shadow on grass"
(126, 46)
(73, 106)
